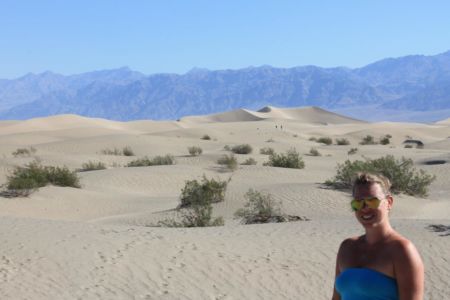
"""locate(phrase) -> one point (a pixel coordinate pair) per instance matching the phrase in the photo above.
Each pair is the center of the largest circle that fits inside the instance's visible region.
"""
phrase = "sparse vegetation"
(385, 140)
(266, 151)
(206, 137)
(227, 148)
(408, 146)
(204, 192)
(313, 139)
(229, 161)
(242, 149)
(352, 151)
(126, 151)
(262, 208)
(314, 152)
(404, 178)
(155, 161)
(195, 151)
(368, 140)
(342, 142)
(196, 201)
(34, 175)
(325, 140)
(24, 151)
(92, 166)
(249, 161)
(290, 159)
(259, 208)
(271, 140)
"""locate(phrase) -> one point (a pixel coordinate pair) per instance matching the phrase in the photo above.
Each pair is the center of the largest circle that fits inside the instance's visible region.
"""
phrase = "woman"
(381, 264)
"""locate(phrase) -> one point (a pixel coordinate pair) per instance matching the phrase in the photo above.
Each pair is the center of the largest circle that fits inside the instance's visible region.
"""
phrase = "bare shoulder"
(348, 245)
(402, 247)
(405, 255)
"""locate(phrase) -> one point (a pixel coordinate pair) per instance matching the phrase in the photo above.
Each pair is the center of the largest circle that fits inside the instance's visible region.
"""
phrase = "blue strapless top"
(366, 284)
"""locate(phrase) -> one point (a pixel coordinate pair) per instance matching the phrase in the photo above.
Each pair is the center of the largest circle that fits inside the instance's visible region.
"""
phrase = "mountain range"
(417, 86)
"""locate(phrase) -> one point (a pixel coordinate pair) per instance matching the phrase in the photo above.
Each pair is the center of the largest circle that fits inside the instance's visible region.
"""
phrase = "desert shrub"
(242, 149)
(127, 151)
(290, 159)
(204, 192)
(314, 152)
(404, 178)
(388, 136)
(259, 208)
(227, 148)
(271, 140)
(249, 161)
(24, 151)
(313, 139)
(262, 208)
(114, 151)
(342, 142)
(325, 140)
(155, 161)
(206, 137)
(408, 146)
(229, 161)
(34, 175)
(368, 140)
(196, 204)
(198, 216)
(195, 150)
(352, 151)
(384, 140)
(266, 151)
(91, 166)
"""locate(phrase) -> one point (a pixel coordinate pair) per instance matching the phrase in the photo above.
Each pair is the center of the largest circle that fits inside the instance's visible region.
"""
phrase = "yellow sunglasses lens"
(370, 202)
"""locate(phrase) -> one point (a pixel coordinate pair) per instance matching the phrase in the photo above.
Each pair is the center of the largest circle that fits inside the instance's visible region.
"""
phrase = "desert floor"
(99, 242)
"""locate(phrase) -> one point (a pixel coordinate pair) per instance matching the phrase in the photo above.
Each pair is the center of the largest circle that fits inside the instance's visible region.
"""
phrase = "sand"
(98, 242)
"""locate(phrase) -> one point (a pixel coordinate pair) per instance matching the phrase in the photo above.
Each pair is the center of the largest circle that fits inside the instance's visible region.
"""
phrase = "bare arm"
(409, 272)
(336, 295)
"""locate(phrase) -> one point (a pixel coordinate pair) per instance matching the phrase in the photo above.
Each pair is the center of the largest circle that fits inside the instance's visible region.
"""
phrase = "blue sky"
(71, 37)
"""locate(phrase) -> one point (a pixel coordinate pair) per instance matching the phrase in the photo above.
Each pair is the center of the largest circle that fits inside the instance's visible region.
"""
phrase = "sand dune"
(99, 241)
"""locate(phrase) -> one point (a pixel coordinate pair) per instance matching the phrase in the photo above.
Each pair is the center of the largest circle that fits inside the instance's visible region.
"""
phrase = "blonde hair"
(369, 179)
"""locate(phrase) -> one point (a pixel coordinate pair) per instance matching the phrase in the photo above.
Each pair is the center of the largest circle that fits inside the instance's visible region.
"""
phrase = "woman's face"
(372, 217)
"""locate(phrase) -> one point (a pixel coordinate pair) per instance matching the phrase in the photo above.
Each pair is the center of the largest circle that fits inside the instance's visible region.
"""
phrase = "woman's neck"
(378, 234)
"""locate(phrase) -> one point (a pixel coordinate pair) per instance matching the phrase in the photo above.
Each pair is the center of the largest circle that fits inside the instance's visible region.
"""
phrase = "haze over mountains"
(410, 88)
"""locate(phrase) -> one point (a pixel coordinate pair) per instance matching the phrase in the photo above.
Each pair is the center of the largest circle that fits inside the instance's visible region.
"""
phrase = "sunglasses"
(358, 204)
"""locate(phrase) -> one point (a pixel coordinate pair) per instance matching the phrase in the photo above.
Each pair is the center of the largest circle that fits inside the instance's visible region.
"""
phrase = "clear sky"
(77, 36)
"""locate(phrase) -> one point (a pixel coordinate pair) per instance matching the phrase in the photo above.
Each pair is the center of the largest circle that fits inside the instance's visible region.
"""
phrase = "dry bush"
(314, 152)
(262, 208)
(195, 150)
(249, 161)
(352, 151)
(404, 178)
(229, 161)
(267, 151)
(325, 140)
(92, 166)
(24, 151)
(155, 161)
(290, 159)
(34, 175)
(368, 140)
(196, 204)
(242, 149)
(342, 142)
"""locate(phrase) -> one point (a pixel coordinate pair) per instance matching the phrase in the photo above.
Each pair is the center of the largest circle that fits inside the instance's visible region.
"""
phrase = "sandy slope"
(96, 243)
